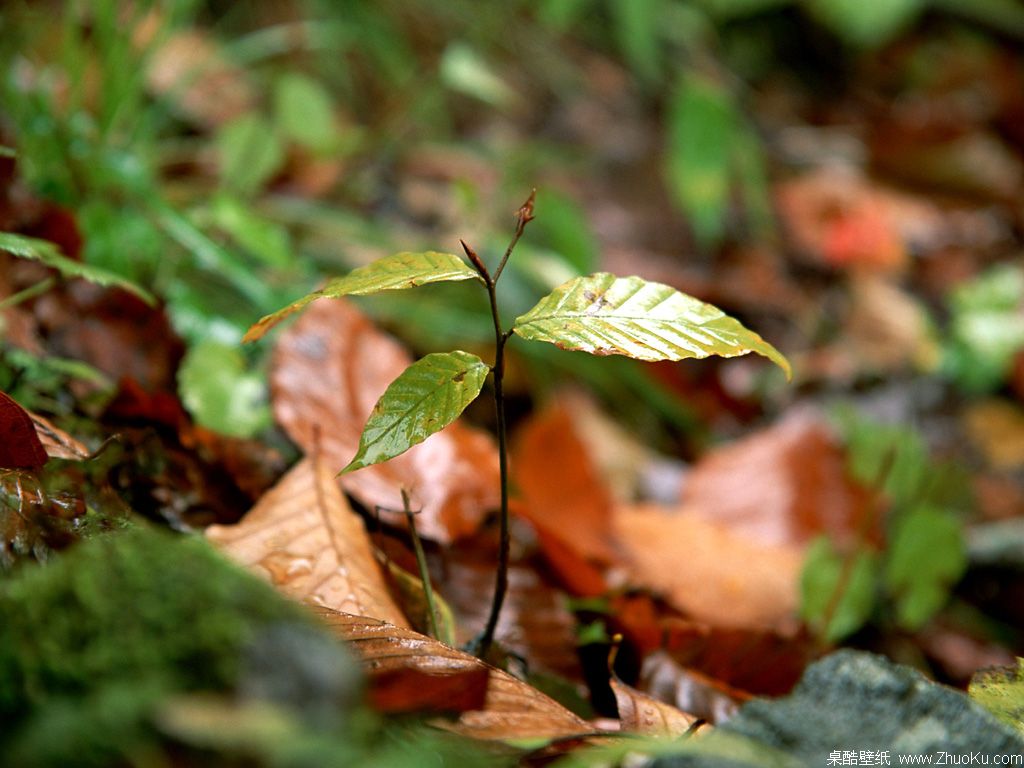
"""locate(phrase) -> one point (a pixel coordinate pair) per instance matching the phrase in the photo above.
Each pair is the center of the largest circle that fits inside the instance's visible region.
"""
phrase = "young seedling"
(601, 314)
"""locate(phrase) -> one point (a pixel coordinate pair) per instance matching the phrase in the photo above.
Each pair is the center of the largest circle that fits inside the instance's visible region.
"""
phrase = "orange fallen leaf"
(512, 709)
(708, 570)
(563, 497)
(329, 369)
(305, 537)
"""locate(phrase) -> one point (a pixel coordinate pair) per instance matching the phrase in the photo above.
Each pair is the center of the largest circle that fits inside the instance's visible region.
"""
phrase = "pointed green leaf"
(427, 397)
(607, 315)
(392, 273)
(49, 254)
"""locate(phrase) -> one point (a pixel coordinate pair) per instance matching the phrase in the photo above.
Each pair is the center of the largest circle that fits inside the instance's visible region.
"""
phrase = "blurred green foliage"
(908, 579)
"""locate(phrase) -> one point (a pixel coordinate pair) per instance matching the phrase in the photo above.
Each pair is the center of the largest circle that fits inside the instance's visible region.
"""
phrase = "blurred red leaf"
(415, 690)
(329, 370)
(20, 447)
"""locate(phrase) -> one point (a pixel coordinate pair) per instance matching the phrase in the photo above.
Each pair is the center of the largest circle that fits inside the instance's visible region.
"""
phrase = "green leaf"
(264, 239)
(463, 69)
(637, 25)
(392, 273)
(607, 315)
(865, 24)
(427, 397)
(304, 112)
(250, 153)
(1001, 692)
(702, 127)
(220, 393)
(927, 556)
(825, 572)
(46, 252)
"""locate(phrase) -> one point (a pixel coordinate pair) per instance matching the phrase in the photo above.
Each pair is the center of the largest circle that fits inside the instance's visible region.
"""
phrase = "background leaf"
(428, 396)
(607, 315)
(250, 153)
(304, 112)
(926, 557)
(48, 253)
(391, 273)
(329, 370)
(824, 574)
(220, 392)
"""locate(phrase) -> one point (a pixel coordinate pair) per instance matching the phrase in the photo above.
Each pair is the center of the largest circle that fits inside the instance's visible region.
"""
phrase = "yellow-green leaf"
(607, 315)
(427, 397)
(391, 273)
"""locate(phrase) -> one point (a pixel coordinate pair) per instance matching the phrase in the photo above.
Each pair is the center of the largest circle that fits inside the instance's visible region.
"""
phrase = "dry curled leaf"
(57, 443)
(305, 537)
(512, 709)
(329, 370)
(641, 713)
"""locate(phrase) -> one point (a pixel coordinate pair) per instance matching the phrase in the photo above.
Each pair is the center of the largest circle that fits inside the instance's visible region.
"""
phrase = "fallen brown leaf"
(305, 537)
(708, 570)
(329, 370)
(512, 709)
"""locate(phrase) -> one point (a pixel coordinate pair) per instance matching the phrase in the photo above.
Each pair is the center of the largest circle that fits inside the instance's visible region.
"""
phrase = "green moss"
(91, 642)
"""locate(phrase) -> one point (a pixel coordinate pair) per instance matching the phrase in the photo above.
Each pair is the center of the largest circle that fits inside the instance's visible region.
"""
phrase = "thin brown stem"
(523, 217)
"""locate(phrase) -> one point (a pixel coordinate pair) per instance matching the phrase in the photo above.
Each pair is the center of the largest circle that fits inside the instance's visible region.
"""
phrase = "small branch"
(421, 562)
(523, 217)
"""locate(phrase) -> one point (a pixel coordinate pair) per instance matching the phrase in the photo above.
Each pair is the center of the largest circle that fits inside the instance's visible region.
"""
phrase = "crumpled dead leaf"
(305, 538)
(997, 428)
(329, 370)
(512, 709)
